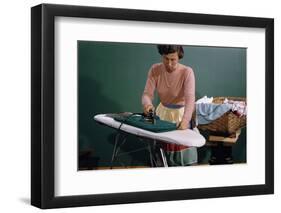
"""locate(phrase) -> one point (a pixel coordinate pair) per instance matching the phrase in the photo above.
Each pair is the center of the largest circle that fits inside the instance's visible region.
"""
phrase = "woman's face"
(170, 61)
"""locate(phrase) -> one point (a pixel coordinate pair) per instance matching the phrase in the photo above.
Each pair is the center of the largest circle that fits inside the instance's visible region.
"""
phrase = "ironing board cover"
(138, 121)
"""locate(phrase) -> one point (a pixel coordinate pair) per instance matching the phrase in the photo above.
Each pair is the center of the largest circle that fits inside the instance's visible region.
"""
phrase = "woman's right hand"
(148, 108)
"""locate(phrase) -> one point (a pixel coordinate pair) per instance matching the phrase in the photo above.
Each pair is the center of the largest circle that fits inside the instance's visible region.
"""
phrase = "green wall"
(112, 77)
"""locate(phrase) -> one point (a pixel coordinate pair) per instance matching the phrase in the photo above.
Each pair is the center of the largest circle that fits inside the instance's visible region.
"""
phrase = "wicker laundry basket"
(228, 123)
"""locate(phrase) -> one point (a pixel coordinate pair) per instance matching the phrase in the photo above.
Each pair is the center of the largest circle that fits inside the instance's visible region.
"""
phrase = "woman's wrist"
(183, 125)
(147, 108)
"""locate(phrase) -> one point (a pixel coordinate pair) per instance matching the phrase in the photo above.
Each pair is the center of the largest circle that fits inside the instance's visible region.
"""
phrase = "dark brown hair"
(167, 49)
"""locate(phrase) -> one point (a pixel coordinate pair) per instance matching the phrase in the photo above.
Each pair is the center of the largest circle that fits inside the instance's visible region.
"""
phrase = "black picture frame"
(43, 102)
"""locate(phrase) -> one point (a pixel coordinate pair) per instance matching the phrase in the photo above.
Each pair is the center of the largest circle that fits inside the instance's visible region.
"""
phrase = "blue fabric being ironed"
(208, 112)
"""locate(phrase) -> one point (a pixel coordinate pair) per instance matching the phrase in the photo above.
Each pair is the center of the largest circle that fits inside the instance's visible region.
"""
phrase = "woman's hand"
(183, 125)
(147, 108)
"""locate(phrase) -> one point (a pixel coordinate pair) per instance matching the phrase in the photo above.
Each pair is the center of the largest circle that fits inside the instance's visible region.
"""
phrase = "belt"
(173, 106)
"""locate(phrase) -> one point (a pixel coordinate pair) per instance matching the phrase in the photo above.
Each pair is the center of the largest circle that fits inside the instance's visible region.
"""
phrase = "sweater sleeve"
(189, 95)
(148, 93)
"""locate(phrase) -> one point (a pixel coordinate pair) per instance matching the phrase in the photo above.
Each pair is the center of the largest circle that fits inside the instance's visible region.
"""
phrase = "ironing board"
(186, 137)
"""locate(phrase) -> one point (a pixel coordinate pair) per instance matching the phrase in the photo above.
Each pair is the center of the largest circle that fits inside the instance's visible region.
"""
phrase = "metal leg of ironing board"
(123, 140)
(151, 147)
(120, 139)
(163, 156)
(150, 154)
(114, 150)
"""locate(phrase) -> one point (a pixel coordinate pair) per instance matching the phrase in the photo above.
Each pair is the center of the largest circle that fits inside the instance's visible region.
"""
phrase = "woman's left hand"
(183, 125)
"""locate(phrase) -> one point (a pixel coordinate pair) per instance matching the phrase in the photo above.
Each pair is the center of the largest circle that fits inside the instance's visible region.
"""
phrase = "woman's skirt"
(177, 155)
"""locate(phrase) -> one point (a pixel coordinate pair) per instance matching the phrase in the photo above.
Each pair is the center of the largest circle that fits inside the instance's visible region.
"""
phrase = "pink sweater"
(177, 87)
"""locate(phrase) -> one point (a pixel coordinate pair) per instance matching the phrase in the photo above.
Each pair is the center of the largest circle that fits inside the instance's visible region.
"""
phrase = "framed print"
(136, 106)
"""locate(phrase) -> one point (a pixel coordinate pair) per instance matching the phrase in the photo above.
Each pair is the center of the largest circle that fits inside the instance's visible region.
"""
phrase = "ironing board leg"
(163, 156)
(150, 148)
(150, 155)
(114, 150)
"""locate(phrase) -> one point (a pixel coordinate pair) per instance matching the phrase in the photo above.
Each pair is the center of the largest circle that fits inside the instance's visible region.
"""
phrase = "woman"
(175, 85)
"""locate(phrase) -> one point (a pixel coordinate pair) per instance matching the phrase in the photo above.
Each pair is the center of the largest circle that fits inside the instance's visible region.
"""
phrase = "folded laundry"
(204, 99)
(238, 107)
(208, 112)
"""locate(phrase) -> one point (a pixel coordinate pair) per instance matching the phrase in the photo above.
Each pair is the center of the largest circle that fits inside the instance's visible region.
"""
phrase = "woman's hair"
(167, 49)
